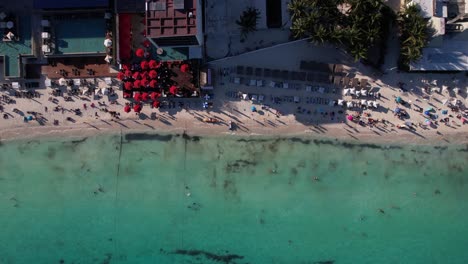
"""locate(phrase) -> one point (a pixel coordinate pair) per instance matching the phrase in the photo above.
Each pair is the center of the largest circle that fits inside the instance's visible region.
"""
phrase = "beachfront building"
(159, 45)
(448, 47)
(57, 39)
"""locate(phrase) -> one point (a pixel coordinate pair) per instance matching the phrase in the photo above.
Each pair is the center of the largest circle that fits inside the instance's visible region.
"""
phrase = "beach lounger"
(254, 98)
(308, 88)
(296, 99)
(237, 80)
(261, 98)
(252, 82)
(272, 84)
(321, 90)
(259, 83)
(286, 85)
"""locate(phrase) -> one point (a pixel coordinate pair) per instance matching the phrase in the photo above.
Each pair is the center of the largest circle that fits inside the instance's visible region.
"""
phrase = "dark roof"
(130, 6)
(63, 4)
(177, 41)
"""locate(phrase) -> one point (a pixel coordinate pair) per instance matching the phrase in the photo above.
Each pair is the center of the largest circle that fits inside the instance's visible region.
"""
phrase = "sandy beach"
(188, 119)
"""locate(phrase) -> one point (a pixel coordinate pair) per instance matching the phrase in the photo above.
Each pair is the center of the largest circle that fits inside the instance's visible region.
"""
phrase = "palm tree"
(248, 21)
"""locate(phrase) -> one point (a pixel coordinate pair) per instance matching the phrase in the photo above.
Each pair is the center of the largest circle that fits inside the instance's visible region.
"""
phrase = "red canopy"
(144, 97)
(120, 75)
(137, 97)
(127, 95)
(128, 73)
(128, 86)
(140, 52)
(173, 89)
(156, 104)
(153, 64)
(127, 108)
(136, 75)
(153, 74)
(144, 65)
(144, 82)
(155, 95)
(137, 84)
(153, 83)
(184, 68)
(137, 108)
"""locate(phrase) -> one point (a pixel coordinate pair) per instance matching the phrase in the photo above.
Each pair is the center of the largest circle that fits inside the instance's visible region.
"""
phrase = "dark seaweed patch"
(51, 152)
(237, 165)
(300, 140)
(107, 259)
(253, 140)
(144, 136)
(324, 262)
(190, 138)
(79, 141)
(459, 150)
(211, 256)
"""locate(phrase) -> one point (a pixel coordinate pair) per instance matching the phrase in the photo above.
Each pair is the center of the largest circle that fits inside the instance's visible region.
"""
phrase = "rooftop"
(61, 4)
(171, 18)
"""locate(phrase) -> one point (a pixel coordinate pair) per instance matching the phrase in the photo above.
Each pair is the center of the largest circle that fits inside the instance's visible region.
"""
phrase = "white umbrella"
(77, 82)
(105, 91)
(62, 81)
(349, 104)
(370, 103)
(376, 105)
(445, 88)
(456, 90)
(245, 96)
(340, 102)
(108, 42)
(352, 91)
(85, 90)
(363, 102)
(96, 92)
(346, 92)
(445, 101)
(364, 92)
(358, 93)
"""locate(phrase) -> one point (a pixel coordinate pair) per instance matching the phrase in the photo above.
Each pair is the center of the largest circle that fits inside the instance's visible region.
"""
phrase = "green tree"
(414, 34)
(248, 21)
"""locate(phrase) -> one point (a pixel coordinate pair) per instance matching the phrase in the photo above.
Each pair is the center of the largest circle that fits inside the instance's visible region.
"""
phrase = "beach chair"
(285, 85)
(272, 84)
(254, 98)
(237, 80)
(308, 88)
(321, 90)
(296, 99)
(252, 82)
(261, 98)
(259, 83)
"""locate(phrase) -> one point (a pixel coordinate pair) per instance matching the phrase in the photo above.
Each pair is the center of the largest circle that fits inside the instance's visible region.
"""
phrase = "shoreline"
(333, 132)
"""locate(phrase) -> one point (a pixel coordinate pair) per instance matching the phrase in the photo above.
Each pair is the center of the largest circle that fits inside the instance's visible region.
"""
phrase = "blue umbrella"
(398, 99)
(30, 118)
(397, 110)
(427, 113)
(444, 112)
(253, 108)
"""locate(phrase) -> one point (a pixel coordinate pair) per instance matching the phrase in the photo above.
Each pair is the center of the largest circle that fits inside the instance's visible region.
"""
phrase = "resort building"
(448, 47)
(52, 33)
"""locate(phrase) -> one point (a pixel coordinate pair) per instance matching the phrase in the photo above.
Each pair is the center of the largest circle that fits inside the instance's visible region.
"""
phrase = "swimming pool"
(82, 35)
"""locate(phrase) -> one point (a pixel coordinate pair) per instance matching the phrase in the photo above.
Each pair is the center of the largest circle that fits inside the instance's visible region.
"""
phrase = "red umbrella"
(144, 82)
(350, 117)
(137, 108)
(127, 108)
(140, 52)
(137, 97)
(127, 95)
(153, 83)
(153, 64)
(125, 66)
(155, 95)
(144, 97)
(144, 65)
(128, 86)
(146, 43)
(128, 73)
(120, 75)
(184, 68)
(173, 89)
(136, 75)
(144, 75)
(153, 74)
(137, 84)
(156, 104)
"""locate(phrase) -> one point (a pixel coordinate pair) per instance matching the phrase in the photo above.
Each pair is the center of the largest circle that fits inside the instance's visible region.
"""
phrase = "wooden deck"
(95, 63)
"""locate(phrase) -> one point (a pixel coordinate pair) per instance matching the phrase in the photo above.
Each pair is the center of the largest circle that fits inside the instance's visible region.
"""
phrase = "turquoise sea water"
(175, 199)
